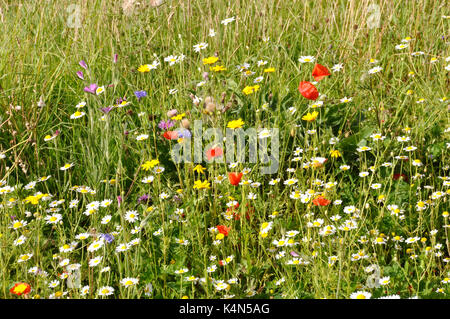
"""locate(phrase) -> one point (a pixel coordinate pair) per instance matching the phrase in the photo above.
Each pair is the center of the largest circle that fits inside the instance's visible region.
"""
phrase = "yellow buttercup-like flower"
(310, 116)
(144, 68)
(217, 68)
(335, 153)
(199, 169)
(210, 60)
(201, 185)
(250, 89)
(235, 124)
(149, 164)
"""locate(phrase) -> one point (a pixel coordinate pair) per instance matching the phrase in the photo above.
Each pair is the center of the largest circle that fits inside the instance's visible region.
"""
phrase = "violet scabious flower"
(80, 75)
(83, 64)
(107, 237)
(184, 133)
(165, 125)
(92, 88)
(144, 198)
(140, 94)
(106, 110)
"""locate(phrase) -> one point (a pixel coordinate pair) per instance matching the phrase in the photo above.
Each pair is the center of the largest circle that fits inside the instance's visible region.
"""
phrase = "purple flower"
(119, 200)
(140, 94)
(80, 75)
(107, 237)
(115, 58)
(163, 125)
(184, 133)
(144, 198)
(91, 88)
(106, 110)
(83, 64)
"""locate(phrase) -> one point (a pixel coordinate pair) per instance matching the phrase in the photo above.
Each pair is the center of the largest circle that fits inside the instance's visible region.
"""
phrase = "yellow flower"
(198, 184)
(310, 116)
(269, 70)
(199, 169)
(34, 200)
(220, 236)
(144, 68)
(217, 68)
(149, 164)
(335, 153)
(409, 92)
(235, 124)
(210, 60)
(250, 89)
(178, 117)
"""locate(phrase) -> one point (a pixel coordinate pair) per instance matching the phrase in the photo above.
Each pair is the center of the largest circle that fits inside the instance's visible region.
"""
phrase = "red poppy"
(235, 178)
(308, 90)
(320, 72)
(223, 229)
(321, 201)
(21, 288)
(171, 135)
(214, 152)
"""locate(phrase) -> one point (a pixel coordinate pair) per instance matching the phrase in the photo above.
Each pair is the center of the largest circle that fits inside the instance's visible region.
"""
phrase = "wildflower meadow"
(207, 149)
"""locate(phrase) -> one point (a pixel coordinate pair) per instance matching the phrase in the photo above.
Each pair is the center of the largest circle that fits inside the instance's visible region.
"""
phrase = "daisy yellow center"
(17, 224)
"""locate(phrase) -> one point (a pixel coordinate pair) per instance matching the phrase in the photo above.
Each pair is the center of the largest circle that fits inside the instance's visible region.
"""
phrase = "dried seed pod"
(292, 132)
(208, 100)
(210, 107)
(172, 112)
(185, 123)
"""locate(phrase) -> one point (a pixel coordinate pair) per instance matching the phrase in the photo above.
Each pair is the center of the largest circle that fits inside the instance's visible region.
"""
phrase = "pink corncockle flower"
(92, 88)
(83, 64)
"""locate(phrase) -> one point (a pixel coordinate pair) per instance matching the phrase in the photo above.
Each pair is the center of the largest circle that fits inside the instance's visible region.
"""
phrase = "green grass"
(40, 56)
